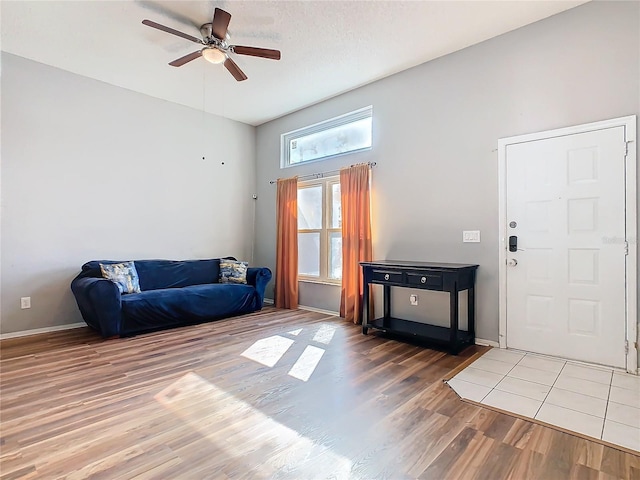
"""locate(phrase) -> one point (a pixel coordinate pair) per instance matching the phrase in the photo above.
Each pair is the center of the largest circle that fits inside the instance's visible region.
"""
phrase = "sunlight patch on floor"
(269, 447)
(324, 334)
(268, 351)
(306, 363)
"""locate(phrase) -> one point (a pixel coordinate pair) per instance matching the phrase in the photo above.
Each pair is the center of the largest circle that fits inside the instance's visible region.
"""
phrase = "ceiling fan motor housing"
(211, 41)
(206, 30)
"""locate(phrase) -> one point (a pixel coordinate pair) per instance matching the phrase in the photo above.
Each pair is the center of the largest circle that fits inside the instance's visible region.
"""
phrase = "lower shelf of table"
(421, 331)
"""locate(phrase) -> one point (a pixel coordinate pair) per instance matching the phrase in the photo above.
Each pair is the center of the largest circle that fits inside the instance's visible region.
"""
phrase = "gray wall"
(93, 171)
(436, 128)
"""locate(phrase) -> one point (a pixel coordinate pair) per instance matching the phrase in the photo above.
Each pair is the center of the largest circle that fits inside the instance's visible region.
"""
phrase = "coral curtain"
(286, 289)
(356, 238)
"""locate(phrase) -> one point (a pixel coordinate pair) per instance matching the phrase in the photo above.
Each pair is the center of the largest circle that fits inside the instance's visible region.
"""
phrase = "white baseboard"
(487, 343)
(36, 331)
(319, 310)
(269, 301)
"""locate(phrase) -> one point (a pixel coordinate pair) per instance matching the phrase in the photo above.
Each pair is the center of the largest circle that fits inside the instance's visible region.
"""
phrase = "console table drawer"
(386, 276)
(424, 279)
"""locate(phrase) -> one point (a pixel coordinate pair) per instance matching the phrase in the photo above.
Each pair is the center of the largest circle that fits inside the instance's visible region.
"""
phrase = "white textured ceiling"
(327, 47)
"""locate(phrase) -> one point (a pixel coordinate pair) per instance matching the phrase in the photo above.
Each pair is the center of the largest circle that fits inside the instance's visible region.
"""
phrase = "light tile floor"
(595, 401)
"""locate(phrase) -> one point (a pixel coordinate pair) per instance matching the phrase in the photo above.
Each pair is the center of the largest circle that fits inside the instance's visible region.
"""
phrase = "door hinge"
(626, 347)
(626, 248)
(626, 148)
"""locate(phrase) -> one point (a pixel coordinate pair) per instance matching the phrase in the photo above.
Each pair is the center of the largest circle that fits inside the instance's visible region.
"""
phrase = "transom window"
(348, 133)
(320, 230)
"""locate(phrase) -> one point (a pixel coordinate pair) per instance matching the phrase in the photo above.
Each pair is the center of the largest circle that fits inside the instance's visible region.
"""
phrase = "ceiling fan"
(216, 49)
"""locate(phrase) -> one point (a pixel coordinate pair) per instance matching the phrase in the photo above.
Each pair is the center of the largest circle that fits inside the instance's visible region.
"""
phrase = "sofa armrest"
(259, 277)
(100, 304)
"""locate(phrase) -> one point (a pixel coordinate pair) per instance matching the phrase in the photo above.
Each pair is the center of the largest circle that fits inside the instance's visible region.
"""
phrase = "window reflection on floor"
(306, 363)
(268, 351)
(324, 334)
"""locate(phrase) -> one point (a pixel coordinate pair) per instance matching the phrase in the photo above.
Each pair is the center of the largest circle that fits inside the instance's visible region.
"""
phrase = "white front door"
(565, 283)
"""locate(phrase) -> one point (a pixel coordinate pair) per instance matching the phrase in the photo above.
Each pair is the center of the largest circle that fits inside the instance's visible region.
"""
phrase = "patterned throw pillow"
(124, 275)
(232, 271)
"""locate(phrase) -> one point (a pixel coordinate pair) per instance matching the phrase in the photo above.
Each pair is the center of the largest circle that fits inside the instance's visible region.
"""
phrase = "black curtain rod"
(323, 174)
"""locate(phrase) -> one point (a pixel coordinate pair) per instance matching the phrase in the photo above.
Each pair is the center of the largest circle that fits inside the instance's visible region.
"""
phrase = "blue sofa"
(173, 293)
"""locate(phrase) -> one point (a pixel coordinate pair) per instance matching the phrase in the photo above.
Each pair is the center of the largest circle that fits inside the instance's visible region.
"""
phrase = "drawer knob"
(423, 280)
(386, 276)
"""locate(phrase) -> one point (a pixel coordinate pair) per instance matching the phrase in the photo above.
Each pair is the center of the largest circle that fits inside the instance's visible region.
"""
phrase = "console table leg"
(366, 311)
(453, 311)
(387, 301)
(471, 314)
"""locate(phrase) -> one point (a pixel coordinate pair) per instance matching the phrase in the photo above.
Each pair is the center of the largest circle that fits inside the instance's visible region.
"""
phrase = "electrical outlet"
(413, 299)
(25, 302)
(471, 236)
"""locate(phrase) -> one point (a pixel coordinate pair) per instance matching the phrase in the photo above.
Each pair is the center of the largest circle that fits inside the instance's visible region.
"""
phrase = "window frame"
(326, 230)
(345, 119)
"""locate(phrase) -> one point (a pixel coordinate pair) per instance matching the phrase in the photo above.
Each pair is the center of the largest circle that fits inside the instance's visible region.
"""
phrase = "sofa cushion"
(233, 271)
(174, 306)
(93, 269)
(124, 275)
(158, 274)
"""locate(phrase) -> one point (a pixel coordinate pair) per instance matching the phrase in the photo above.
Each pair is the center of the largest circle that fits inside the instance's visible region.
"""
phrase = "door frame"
(631, 198)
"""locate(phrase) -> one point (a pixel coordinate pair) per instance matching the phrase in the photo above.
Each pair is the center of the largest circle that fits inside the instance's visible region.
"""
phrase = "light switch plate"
(471, 236)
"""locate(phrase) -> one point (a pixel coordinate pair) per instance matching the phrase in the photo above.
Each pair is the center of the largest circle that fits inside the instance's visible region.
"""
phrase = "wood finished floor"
(186, 404)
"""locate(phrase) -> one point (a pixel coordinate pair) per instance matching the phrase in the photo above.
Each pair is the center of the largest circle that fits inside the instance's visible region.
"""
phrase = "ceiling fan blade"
(187, 58)
(173, 31)
(234, 70)
(257, 52)
(220, 23)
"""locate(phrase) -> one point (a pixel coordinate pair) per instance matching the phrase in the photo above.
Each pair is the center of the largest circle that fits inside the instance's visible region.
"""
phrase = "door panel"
(566, 290)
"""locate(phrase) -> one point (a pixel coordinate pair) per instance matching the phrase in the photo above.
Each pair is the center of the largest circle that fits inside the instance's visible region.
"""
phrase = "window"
(320, 230)
(340, 135)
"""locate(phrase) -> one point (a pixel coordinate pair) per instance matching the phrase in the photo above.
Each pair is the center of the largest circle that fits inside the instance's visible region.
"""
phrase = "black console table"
(444, 277)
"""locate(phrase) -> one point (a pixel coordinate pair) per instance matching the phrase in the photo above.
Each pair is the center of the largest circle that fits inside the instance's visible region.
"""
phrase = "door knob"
(512, 263)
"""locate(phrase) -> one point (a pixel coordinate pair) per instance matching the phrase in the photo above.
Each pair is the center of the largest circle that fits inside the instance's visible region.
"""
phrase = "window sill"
(319, 282)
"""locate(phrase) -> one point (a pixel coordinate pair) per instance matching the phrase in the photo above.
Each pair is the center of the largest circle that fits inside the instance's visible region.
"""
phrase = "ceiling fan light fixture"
(214, 55)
